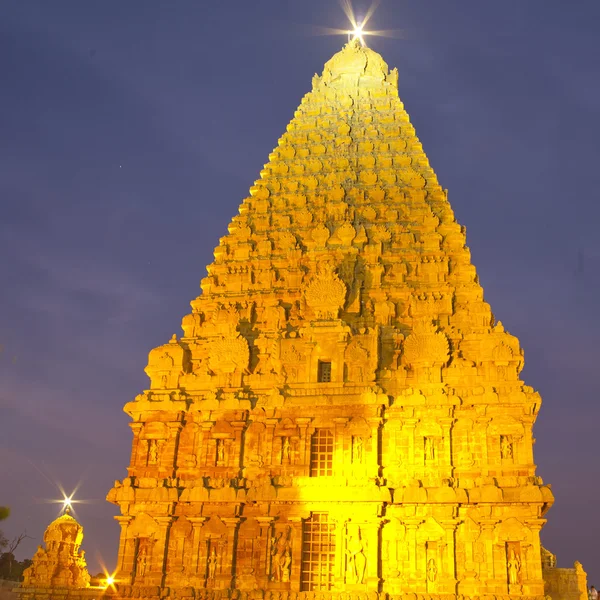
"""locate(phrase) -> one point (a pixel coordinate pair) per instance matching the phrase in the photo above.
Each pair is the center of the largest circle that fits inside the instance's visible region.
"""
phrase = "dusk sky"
(130, 133)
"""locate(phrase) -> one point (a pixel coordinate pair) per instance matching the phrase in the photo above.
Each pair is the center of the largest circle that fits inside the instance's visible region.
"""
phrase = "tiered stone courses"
(343, 416)
(59, 568)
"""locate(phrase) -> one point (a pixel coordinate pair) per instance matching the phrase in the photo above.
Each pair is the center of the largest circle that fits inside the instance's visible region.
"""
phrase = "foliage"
(4, 512)
(11, 569)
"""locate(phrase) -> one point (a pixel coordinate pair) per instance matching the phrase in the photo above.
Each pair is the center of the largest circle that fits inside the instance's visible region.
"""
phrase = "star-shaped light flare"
(358, 31)
(67, 501)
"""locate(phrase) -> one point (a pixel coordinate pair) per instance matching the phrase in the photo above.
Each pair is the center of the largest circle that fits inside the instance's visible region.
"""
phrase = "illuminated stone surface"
(61, 564)
(343, 414)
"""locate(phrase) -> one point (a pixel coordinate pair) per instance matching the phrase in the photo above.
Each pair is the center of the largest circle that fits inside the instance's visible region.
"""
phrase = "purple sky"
(131, 131)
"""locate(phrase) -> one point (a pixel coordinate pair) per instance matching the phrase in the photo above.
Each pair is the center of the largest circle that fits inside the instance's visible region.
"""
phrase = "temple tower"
(343, 414)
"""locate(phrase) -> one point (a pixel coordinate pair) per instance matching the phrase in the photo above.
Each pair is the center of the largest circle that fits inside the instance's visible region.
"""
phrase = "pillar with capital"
(226, 577)
(156, 572)
(125, 566)
(296, 543)
(263, 568)
(198, 557)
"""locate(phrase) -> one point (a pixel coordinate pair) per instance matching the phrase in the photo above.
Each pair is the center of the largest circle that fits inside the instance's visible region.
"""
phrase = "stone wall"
(565, 584)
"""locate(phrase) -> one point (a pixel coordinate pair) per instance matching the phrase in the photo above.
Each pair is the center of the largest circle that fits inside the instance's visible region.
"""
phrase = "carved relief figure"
(286, 450)
(142, 559)
(506, 447)
(357, 449)
(355, 556)
(281, 557)
(213, 561)
(220, 454)
(152, 452)
(513, 567)
(431, 570)
(429, 449)
(285, 562)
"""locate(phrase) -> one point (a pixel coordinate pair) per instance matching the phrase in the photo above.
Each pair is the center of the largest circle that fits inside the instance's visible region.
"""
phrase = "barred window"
(324, 372)
(321, 453)
(318, 553)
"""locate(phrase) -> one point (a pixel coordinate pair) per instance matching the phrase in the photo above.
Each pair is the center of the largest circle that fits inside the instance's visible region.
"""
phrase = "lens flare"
(358, 31)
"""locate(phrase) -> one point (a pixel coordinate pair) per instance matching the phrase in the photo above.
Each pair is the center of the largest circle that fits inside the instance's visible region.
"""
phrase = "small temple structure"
(59, 569)
(343, 416)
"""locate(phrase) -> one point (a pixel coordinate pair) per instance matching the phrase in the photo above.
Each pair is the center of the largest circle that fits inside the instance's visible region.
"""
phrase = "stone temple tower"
(343, 416)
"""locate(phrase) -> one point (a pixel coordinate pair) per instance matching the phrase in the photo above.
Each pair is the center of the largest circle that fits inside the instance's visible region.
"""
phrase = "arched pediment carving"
(215, 527)
(143, 526)
(430, 531)
(511, 530)
(182, 528)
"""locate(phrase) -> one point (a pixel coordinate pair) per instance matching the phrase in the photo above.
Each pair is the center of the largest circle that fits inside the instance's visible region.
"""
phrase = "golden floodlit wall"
(343, 415)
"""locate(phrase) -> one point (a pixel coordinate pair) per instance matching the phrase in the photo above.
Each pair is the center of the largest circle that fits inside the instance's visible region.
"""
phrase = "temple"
(343, 415)
(59, 570)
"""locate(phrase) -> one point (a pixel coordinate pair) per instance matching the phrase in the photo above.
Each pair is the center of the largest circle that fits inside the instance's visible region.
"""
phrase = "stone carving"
(281, 556)
(229, 354)
(142, 561)
(347, 254)
(432, 570)
(212, 564)
(61, 564)
(326, 293)
(430, 449)
(220, 451)
(286, 450)
(513, 567)
(506, 447)
(356, 560)
(426, 345)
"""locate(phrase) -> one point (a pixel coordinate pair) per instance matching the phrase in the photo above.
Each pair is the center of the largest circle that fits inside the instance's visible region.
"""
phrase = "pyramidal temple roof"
(347, 222)
(342, 415)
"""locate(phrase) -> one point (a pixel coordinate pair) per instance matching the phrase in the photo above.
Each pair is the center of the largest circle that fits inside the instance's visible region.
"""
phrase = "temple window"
(324, 372)
(318, 553)
(321, 453)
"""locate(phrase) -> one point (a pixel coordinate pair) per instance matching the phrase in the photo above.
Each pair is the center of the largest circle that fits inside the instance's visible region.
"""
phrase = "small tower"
(61, 565)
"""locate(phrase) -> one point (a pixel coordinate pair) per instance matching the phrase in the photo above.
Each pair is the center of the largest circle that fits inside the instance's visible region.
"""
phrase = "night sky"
(130, 133)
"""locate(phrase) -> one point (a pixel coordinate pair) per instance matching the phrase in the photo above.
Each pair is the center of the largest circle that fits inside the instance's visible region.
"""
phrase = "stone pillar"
(524, 455)
(198, 558)
(371, 535)
(136, 428)
(203, 453)
(488, 570)
(296, 523)
(227, 575)
(263, 564)
(339, 573)
(481, 426)
(304, 449)
(169, 454)
(532, 560)
(411, 541)
(235, 456)
(445, 462)
(447, 558)
(372, 458)
(126, 556)
(408, 430)
(271, 459)
(339, 433)
(155, 575)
